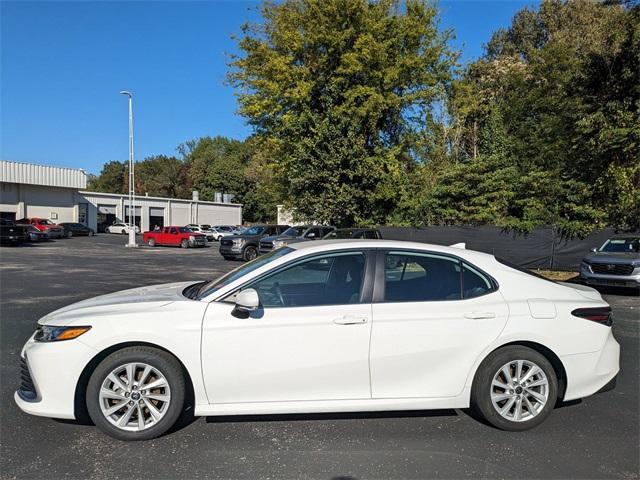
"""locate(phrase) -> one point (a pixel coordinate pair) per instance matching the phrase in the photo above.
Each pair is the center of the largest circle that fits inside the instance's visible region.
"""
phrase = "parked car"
(218, 233)
(344, 233)
(77, 229)
(44, 225)
(616, 263)
(35, 235)
(10, 233)
(122, 228)
(302, 232)
(337, 326)
(203, 229)
(246, 245)
(175, 236)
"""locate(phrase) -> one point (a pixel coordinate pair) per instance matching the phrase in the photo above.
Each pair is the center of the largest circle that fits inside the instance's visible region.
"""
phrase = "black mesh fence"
(542, 248)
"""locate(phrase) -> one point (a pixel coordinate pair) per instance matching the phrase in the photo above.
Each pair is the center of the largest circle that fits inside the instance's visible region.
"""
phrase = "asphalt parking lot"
(598, 437)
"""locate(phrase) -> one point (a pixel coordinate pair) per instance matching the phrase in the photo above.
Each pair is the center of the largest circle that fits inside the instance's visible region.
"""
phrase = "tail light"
(598, 314)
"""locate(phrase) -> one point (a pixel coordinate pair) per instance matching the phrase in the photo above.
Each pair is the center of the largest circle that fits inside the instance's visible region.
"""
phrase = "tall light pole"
(132, 177)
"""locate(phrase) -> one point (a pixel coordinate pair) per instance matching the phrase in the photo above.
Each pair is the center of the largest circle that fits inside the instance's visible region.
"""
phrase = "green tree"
(340, 88)
(113, 178)
(162, 176)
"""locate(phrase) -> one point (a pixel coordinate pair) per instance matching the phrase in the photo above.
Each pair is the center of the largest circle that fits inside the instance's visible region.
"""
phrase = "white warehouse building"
(59, 194)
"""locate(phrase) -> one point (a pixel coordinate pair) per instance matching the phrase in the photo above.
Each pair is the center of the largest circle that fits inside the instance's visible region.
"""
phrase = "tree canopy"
(362, 116)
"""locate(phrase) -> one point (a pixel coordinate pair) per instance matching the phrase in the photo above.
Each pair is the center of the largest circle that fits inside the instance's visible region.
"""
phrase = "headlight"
(279, 243)
(192, 238)
(46, 333)
(238, 241)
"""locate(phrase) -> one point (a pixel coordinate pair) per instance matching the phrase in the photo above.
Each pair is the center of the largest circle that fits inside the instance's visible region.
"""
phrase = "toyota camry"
(326, 326)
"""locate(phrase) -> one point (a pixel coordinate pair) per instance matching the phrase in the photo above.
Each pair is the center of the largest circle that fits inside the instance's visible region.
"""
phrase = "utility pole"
(132, 177)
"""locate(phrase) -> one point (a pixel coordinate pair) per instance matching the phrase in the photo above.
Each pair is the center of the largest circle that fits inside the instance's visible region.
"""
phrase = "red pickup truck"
(182, 236)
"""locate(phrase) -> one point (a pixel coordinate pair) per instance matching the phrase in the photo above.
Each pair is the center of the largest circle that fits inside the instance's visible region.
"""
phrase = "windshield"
(621, 245)
(233, 275)
(185, 230)
(294, 231)
(46, 222)
(254, 231)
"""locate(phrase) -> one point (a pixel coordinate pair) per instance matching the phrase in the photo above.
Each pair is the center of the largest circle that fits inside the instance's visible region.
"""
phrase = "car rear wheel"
(136, 393)
(151, 242)
(69, 234)
(514, 389)
(249, 253)
(124, 231)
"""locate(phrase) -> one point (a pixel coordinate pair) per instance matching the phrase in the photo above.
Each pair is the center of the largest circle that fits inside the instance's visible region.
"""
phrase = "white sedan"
(122, 228)
(337, 326)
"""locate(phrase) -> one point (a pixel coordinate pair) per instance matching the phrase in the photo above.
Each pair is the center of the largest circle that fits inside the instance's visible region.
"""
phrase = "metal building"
(28, 190)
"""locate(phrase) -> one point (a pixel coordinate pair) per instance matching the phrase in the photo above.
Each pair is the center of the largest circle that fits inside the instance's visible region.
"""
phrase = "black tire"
(91, 233)
(249, 253)
(151, 242)
(68, 234)
(159, 359)
(123, 232)
(184, 243)
(481, 403)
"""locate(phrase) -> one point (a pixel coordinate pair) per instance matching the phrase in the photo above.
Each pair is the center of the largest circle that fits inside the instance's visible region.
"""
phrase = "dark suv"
(246, 245)
(307, 232)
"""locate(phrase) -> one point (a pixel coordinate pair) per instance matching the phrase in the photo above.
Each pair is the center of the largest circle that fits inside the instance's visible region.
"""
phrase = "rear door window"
(418, 277)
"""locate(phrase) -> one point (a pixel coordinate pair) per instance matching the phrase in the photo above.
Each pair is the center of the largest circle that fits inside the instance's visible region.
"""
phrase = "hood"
(125, 301)
(627, 258)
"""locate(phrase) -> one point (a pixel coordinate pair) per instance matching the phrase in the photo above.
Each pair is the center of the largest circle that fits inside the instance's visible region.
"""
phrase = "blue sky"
(63, 64)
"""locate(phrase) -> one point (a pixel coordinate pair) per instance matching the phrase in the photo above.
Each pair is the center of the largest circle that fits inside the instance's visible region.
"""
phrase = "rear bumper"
(589, 373)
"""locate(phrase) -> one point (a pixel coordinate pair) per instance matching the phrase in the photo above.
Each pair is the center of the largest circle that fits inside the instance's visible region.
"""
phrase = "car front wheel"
(136, 393)
(515, 388)
(249, 253)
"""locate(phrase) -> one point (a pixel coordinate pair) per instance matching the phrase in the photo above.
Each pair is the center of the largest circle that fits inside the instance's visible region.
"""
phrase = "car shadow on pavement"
(290, 417)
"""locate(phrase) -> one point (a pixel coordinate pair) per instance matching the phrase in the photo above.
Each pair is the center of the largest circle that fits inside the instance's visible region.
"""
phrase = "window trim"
(380, 280)
(367, 280)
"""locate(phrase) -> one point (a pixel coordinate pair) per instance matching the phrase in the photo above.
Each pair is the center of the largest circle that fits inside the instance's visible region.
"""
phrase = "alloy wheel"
(134, 396)
(519, 390)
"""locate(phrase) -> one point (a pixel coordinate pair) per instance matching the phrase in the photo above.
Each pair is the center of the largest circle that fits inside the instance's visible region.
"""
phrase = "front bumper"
(54, 370)
(231, 250)
(589, 373)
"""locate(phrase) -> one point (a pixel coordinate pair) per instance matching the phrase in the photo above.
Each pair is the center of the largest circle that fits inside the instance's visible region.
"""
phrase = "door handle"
(350, 320)
(479, 315)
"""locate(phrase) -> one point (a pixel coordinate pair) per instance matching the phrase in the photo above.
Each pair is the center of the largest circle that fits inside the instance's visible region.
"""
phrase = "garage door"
(107, 209)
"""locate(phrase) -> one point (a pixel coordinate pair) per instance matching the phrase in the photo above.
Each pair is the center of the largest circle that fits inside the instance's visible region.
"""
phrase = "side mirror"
(247, 300)
(594, 249)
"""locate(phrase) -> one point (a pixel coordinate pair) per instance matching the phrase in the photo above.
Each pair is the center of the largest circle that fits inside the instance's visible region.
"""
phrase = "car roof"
(625, 236)
(322, 245)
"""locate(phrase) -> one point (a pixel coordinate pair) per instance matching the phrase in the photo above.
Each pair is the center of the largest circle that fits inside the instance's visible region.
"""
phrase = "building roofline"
(186, 200)
(45, 165)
